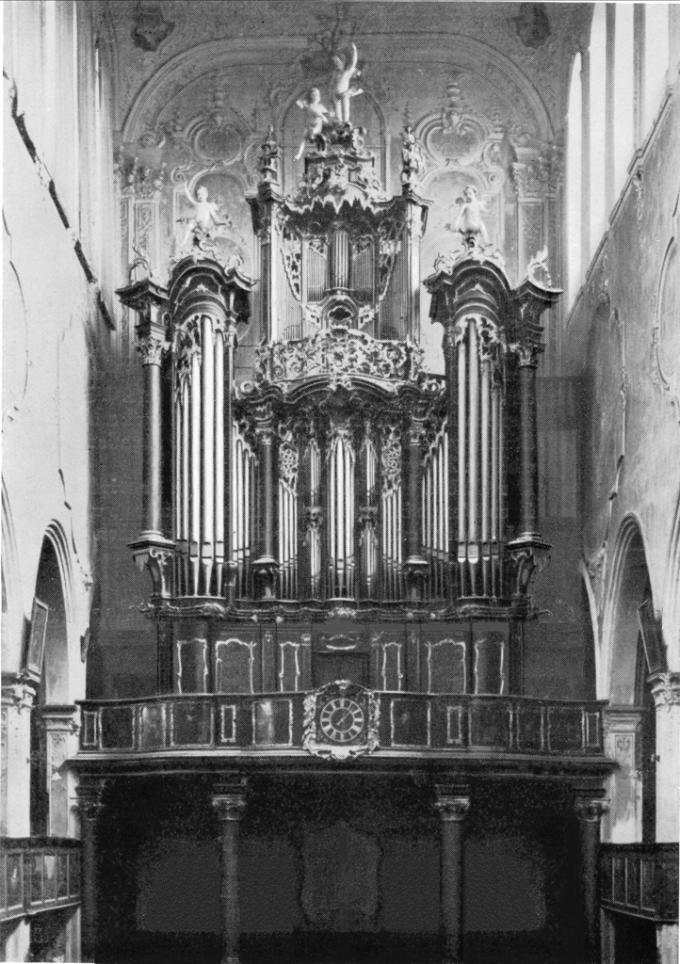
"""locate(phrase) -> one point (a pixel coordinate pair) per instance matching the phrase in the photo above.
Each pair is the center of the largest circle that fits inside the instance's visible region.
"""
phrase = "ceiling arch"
(408, 58)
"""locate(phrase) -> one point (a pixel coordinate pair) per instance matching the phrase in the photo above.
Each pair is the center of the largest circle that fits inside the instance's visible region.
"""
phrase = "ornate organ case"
(342, 515)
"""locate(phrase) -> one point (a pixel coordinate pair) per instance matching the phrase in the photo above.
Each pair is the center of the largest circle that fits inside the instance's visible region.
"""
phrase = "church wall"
(55, 328)
(623, 335)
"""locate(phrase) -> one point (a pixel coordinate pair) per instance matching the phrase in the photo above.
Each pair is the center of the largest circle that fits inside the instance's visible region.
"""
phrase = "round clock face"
(341, 719)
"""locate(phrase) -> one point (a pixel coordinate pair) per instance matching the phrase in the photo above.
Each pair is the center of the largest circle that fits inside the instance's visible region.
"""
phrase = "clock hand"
(345, 717)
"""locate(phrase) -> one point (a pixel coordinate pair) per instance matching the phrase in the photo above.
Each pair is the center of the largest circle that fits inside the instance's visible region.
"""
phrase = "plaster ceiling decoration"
(276, 36)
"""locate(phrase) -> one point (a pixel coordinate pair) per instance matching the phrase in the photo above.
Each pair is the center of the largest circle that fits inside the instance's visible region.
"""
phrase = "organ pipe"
(207, 443)
(528, 445)
(204, 313)
(221, 469)
(195, 474)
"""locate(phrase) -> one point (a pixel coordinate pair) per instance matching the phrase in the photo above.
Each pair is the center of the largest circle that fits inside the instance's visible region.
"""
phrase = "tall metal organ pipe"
(203, 318)
(476, 464)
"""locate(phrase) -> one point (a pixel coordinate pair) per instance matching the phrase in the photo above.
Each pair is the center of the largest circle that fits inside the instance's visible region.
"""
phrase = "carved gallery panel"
(192, 665)
(235, 665)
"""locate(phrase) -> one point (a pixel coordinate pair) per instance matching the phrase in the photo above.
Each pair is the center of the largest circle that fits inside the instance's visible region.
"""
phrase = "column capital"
(18, 691)
(527, 355)
(61, 719)
(152, 343)
(229, 800)
(665, 689)
(590, 805)
(89, 794)
(416, 429)
(452, 801)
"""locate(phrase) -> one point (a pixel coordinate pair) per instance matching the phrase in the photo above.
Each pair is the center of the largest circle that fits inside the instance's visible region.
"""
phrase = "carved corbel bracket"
(528, 556)
(415, 570)
(265, 570)
(156, 554)
(150, 301)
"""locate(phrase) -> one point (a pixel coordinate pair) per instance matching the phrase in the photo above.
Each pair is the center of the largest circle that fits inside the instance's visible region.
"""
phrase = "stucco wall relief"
(666, 331)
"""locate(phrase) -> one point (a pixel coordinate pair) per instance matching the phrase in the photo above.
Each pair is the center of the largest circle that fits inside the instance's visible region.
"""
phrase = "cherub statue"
(317, 115)
(205, 218)
(469, 221)
(341, 89)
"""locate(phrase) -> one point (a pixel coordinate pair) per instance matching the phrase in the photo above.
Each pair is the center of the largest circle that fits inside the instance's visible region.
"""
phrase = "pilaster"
(61, 731)
(18, 698)
(665, 689)
(623, 823)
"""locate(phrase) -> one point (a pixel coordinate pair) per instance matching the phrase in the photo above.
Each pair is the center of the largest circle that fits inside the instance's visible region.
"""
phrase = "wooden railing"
(640, 879)
(38, 874)
(406, 721)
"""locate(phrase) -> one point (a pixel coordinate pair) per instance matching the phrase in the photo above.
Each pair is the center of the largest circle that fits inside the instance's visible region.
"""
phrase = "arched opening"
(631, 659)
(631, 589)
(53, 685)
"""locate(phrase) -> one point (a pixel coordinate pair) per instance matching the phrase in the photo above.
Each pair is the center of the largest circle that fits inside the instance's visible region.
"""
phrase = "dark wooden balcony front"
(640, 880)
(437, 726)
(38, 874)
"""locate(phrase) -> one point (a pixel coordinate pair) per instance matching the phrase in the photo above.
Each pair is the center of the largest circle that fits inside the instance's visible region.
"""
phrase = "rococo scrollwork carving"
(336, 352)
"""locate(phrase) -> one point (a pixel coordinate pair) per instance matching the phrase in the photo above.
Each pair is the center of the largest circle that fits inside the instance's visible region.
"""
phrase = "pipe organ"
(342, 484)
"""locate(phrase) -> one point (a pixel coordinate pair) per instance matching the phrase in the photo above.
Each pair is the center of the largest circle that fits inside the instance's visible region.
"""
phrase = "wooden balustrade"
(640, 880)
(436, 723)
(38, 874)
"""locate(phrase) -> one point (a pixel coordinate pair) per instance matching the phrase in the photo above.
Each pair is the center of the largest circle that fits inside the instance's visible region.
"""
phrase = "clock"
(341, 719)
